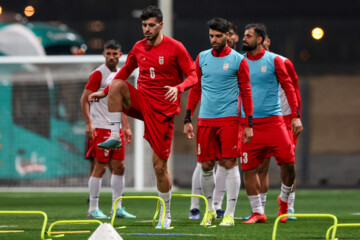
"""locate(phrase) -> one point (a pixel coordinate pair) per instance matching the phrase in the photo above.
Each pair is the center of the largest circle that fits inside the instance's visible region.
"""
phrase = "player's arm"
(243, 76)
(92, 85)
(286, 84)
(294, 78)
(193, 99)
(123, 74)
(187, 67)
(126, 128)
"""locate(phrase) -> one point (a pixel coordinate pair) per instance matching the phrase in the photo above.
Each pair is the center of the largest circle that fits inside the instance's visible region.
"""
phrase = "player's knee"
(118, 171)
(208, 166)
(99, 170)
(159, 169)
(290, 168)
(118, 167)
(117, 85)
(229, 163)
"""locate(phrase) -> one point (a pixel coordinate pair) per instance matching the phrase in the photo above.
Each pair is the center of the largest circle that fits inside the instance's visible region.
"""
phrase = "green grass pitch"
(345, 204)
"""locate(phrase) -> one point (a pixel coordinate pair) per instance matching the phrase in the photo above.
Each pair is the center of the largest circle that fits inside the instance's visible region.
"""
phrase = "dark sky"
(289, 23)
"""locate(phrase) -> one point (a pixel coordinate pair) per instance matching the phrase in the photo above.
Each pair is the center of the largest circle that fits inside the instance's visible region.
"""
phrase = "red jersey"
(294, 78)
(162, 65)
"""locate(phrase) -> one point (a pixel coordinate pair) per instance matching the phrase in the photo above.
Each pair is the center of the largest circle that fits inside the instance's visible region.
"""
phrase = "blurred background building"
(328, 152)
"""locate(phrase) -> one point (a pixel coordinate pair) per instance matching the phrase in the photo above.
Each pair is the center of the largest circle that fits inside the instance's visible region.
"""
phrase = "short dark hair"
(151, 11)
(112, 44)
(219, 24)
(232, 26)
(259, 28)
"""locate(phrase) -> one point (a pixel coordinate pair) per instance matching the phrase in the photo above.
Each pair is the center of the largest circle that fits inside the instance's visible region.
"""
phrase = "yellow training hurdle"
(340, 225)
(31, 212)
(199, 196)
(71, 221)
(142, 197)
(306, 215)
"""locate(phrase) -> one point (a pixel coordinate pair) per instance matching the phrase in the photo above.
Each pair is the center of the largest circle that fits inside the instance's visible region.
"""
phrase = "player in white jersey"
(98, 129)
(286, 112)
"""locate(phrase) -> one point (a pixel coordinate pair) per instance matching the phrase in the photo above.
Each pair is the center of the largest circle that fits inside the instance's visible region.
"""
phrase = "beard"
(112, 64)
(248, 47)
(220, 46)
(152, 37)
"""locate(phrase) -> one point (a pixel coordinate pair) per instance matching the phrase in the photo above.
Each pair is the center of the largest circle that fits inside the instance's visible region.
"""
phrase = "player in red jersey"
(222, 74)
(162, 63)
(97, 127)
(220, 175)
(267, 71)
(285, 108)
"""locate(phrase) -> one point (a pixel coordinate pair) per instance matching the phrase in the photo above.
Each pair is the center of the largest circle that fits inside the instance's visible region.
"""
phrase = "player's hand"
(171, 94)
(96, 96)
(189, 131)
(127, 135)
(90, 131)
(247, 134)
(296, 126)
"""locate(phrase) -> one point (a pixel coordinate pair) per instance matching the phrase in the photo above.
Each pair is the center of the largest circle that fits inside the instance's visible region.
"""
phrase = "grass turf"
(73, 206)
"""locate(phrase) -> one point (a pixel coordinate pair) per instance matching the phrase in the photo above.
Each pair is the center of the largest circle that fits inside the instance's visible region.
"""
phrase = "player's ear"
(161, 25)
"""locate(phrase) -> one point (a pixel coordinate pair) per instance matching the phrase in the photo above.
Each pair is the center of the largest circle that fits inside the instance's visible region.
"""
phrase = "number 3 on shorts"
(244, 158)
(152, 72)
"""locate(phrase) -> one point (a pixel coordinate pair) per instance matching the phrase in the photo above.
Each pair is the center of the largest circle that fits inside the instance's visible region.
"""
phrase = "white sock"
(167, 199)
(117, 185)
(207, 186)
(232, 189)
(115, 119)
(196, 187)
(255, 203)
(263, 200)
(220, 186)
(285, 192)
(94, 189)
(291, 200)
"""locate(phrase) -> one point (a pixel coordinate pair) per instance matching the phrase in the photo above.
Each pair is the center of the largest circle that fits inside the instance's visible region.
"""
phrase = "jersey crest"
(161, 60)
(226, 66)
(263, 69)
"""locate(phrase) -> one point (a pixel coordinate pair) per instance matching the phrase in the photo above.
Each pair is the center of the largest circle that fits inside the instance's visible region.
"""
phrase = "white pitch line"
(146, 221)
(4, 226)
(169, 234)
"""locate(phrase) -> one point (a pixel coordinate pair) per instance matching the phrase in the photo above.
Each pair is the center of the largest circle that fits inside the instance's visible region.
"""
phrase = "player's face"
(232, 39)
(112, 57)
(151, 28)
(266, 43)
(218, 39)
(250, 40)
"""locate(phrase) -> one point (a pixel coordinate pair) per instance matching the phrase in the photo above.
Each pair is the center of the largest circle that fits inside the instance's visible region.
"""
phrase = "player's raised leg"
(118, 97)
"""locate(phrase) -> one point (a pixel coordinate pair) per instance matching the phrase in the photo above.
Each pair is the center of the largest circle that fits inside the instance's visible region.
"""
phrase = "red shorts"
(216, 142)
(102, 155)
(159, 128)
(270, 134)
(293, 138)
